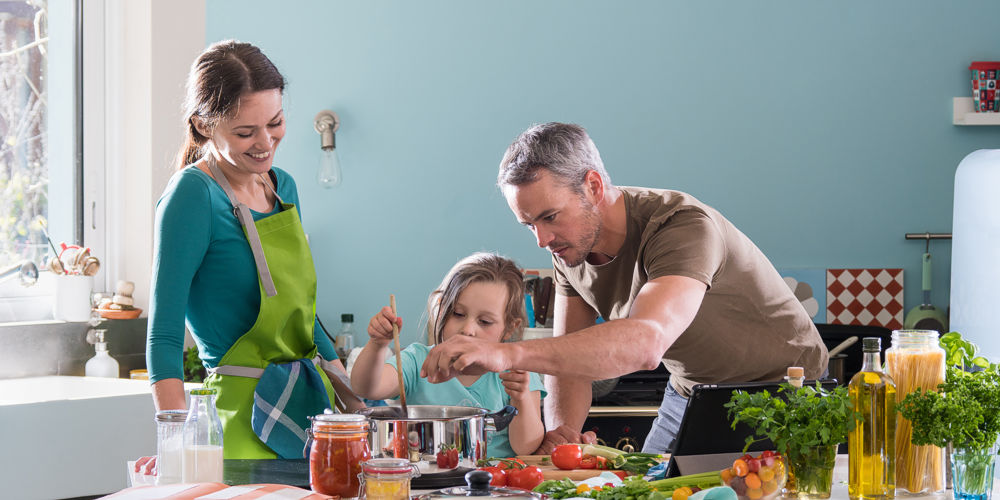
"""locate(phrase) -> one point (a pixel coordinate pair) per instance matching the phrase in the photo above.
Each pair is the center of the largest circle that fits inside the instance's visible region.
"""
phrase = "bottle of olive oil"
(872, 444)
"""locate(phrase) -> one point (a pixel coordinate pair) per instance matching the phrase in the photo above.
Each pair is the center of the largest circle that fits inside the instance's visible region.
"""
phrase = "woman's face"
(478, 312)
(247, 141)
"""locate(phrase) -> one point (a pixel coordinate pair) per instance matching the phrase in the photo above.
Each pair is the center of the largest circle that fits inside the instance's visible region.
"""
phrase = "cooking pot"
(478, 487)
(427, 430)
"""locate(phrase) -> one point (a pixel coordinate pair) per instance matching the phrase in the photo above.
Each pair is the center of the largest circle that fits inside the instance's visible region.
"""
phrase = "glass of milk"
(201, 461)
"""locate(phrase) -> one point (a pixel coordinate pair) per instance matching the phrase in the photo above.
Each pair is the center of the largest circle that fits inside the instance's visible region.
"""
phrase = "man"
(676, 282)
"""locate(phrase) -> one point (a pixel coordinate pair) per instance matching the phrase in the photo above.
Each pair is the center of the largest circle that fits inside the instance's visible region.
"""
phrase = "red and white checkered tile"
(871, 297)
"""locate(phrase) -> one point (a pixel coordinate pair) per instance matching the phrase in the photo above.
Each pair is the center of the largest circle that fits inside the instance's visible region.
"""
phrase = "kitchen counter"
(296, 473)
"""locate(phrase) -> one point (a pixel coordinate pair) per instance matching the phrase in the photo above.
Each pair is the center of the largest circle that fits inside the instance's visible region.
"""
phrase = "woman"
(231, 260)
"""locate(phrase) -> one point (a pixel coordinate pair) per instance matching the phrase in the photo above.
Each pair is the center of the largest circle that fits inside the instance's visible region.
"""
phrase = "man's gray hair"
(564, 149)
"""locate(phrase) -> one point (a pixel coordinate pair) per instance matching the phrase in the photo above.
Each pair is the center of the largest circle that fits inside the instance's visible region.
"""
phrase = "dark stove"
(641, 388)
(622, 411)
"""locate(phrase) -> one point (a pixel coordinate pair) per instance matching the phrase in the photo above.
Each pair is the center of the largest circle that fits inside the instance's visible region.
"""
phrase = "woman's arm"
(347, 400)
(168, 394)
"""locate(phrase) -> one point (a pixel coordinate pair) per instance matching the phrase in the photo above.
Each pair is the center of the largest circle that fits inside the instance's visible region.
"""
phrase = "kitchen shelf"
(963, 113)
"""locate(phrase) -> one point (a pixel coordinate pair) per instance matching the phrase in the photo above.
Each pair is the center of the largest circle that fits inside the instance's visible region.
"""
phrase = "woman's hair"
(222, 74)
(564, 149)
(478, 268)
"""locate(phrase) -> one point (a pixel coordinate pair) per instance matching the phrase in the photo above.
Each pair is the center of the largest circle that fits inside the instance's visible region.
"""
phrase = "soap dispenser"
(102, 364)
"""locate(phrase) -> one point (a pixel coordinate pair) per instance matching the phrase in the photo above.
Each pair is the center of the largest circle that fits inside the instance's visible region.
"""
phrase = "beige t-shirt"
(750, 326)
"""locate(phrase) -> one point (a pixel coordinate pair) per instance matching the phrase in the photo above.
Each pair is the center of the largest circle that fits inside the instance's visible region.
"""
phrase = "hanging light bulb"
(327, 123)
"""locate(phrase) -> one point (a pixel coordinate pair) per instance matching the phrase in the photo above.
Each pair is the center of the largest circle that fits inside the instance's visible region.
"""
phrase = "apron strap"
(247, 371)
(242, 212)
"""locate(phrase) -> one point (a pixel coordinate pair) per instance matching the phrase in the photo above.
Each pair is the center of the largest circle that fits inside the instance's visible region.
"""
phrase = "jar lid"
(339, 418)
(202, 392)
(171, 415)
(479, 487)
(387, 466)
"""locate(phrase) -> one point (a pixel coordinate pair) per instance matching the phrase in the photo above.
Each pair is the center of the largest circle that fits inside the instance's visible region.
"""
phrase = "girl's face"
(478, 312)
(248, 140)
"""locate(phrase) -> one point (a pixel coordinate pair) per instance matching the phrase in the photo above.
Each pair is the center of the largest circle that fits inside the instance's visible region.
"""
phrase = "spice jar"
(337, 446)
(169, 445)
(387, 478)
(916, 361)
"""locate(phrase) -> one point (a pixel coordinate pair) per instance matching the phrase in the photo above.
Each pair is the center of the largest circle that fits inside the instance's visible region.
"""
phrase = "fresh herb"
(796, 419)
(194, 370)
(632, 487)
(963, 412)
(965, 409)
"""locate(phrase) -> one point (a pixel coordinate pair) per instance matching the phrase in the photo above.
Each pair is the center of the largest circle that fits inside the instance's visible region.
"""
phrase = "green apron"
(283, 331)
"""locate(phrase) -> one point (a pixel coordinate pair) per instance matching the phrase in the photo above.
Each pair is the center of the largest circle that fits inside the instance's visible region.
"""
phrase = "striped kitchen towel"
(286, 395)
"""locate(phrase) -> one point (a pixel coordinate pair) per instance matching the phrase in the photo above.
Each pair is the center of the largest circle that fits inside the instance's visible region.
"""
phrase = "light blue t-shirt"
(487, 392)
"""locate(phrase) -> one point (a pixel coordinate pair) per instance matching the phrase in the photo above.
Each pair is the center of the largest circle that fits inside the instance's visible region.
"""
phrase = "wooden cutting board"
(550, 471)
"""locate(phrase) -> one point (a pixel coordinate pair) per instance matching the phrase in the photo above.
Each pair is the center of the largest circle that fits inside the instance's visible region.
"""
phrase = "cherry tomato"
(767, 453)
(740, 467)
(567, 456)
(452, 458)
(499, 476)
(525, 479)
(442, 459)
(620, 473)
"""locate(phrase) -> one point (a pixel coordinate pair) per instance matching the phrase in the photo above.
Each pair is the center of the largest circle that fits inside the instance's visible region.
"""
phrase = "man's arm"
(564, 404)
(660, 313)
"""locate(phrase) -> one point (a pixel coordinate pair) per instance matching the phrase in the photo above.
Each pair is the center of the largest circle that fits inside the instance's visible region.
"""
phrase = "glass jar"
(337, 446)
(169, 445)
(202, 462)
(916, 361)
(387, 478)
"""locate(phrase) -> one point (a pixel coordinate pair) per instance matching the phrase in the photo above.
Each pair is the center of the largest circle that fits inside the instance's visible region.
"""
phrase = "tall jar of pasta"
(916, 361)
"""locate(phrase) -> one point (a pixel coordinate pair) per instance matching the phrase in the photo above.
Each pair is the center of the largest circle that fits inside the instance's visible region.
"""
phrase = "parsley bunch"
(795, 419)
(965, 410)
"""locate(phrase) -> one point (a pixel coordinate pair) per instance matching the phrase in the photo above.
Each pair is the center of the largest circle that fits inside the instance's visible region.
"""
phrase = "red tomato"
(588, 462)
(620, 473)
(452, 458)
(442, 459)
(767, 453)
(567, 456)
(499, 476)
(525, 479)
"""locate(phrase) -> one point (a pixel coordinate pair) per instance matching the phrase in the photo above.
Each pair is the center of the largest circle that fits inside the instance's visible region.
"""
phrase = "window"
(40, 145)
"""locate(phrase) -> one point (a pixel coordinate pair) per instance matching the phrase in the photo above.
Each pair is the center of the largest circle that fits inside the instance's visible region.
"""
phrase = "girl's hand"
(380, 327)
(515, 383)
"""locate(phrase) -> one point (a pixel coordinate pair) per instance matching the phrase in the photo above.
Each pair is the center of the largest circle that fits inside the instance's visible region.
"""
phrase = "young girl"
(481, 296)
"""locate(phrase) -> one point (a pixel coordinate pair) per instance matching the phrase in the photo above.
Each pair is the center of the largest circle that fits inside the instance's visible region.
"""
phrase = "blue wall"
(822, 129)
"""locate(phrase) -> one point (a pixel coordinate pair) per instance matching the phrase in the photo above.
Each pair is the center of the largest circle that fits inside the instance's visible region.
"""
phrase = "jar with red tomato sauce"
(338, 444)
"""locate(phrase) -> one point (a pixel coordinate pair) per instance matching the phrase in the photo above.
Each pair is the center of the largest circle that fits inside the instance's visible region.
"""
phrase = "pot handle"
(501, 419)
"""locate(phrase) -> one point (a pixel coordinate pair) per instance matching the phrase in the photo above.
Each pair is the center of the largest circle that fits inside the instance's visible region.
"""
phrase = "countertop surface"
(296, 473)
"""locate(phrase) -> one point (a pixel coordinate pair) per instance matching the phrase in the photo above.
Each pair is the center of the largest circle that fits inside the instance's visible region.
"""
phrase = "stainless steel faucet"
(27, 271)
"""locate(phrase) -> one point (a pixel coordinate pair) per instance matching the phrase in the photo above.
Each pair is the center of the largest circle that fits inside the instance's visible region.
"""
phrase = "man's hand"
(462, 355)
(563, 435)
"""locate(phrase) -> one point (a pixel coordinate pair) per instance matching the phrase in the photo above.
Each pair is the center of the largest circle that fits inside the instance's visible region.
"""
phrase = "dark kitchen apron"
(278, 353)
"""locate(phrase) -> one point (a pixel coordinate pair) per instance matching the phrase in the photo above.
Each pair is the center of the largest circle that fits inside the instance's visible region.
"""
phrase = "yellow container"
(138, 374)
(916, 361)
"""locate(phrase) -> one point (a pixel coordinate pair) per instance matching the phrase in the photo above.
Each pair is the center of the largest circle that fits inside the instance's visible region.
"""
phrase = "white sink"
(67, 437)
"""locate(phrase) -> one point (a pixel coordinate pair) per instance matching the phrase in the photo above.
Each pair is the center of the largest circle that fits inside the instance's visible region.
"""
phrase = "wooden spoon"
(399, 360)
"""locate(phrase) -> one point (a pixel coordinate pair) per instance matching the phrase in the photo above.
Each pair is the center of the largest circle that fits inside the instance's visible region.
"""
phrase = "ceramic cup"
(72, 298)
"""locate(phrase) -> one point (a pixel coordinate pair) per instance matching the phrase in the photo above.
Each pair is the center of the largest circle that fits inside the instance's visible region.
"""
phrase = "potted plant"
(806, 424)
(964, 412)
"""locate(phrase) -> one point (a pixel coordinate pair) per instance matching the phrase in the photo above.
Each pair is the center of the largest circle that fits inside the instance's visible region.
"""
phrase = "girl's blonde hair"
(479, 267)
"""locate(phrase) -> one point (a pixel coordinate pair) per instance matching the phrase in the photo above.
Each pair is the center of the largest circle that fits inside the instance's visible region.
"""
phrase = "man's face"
(564, 222)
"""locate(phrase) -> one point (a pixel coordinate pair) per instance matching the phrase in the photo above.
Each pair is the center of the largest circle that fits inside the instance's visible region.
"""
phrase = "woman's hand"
(146, 466)
(380, 327)
(515, 383)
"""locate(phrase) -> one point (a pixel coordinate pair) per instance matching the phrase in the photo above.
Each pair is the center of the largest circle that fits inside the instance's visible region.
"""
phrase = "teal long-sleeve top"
(204, 274)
